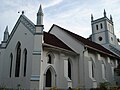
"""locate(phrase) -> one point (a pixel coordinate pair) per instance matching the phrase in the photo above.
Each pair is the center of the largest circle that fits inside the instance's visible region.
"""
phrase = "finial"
(91, 17)
(6, 34)
(22, 12)
(40, 16)
(104, 13)
(6, 30)
(40, 10)
(111, 17)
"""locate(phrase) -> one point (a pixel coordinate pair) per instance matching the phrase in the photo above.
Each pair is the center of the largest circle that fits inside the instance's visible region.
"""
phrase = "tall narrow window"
(103, 71)
(101, 25)
(69, 69)
(11, 60)
(18, 56)
(97, 27)
(48, 78)
(49, 59)
(25, 61)
(91, 68)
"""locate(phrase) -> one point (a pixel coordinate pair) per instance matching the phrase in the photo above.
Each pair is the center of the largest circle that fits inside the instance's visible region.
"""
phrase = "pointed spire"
(40, 9)
(91, 17)
(6, 30)
(111, 17)
(6, 34)
(104, 13)
(40, 16)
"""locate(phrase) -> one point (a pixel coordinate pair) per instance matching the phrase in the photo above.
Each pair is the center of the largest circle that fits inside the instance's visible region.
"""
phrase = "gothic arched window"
(18, 57)
(11, 60)
(103, 69)
(91, 64)
(50, 58)
(25, 61)
(48, 78)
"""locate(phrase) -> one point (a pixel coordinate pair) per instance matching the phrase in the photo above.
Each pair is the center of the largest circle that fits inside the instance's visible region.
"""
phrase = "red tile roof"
(54, 41)
(88, 43)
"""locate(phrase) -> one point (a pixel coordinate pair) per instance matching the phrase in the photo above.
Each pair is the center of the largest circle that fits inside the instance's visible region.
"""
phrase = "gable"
(67, 39)
(26, 22)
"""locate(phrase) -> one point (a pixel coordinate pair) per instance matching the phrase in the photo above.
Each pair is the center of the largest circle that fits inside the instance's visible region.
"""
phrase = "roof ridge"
(87, 42)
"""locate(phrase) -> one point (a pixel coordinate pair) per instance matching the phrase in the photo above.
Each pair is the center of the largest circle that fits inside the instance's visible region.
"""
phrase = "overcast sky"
(73, 15)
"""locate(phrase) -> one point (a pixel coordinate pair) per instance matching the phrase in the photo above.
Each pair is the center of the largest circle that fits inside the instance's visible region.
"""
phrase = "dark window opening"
(11, 60)
(100, 38)
(69, 69)
(97, 27)
(25, 61)
(49, 59)
(18, 56)
(48, 78)
(92, 70)
(101, 25)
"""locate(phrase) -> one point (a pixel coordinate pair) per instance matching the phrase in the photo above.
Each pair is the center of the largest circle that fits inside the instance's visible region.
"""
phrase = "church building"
(33, 59)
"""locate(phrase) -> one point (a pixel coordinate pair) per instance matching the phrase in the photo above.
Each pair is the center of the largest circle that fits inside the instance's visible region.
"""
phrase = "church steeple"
(40, 16)
(104, 13)
(6, 34)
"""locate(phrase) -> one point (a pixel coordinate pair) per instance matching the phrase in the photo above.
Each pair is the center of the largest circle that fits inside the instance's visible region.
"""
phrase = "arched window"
(69, 69)
(25, 61)
(103, 70)
(50, 58)
(18, 57)
(91, 64)
(11, 60)
(97, 27)
(101, 25)
(48, 78)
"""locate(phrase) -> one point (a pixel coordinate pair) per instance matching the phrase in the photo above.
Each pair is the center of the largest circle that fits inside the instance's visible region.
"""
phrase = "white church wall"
(1, 64)
(25, 37)
(74, 45)
(60, 68)
(100, 38)
(101, 74)
(110, 27)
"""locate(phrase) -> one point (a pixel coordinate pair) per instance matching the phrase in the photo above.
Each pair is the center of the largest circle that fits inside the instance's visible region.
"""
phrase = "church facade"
(31, 58)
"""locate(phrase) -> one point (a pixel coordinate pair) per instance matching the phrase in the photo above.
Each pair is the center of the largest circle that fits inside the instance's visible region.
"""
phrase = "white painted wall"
(60, 67)
(25, 37)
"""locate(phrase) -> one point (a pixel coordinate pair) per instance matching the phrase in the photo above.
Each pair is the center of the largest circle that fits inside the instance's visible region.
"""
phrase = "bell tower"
(103, 30)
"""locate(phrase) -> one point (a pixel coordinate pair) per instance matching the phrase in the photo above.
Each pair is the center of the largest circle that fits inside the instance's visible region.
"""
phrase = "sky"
(73, 15)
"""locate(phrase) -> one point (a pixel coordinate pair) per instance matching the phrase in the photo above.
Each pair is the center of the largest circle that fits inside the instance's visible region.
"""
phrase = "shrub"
(3, 87)
(104, 85)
